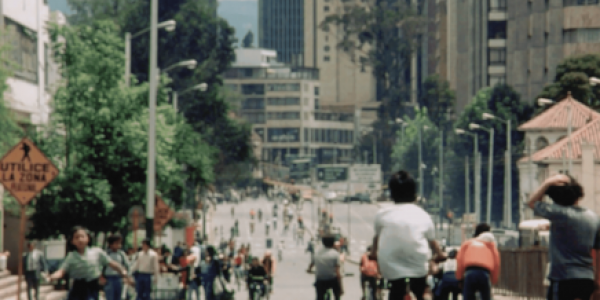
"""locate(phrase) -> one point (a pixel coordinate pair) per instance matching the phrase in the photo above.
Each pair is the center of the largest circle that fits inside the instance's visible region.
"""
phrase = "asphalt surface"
(291, 280)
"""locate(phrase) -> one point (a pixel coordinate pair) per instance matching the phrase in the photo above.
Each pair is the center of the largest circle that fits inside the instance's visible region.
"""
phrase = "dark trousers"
(398, 288)
(322, 287)
(372, 284)
(84, 290)
(114, 287)
(571, 289)
(143, 286)
(477, 280)
(33, 283)
(448, 286)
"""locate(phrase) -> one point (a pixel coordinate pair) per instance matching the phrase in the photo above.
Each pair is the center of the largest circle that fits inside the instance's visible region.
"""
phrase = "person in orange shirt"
(478, 264)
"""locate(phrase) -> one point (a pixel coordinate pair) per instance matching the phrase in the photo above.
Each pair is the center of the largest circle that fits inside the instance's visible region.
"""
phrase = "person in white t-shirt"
(404, 239)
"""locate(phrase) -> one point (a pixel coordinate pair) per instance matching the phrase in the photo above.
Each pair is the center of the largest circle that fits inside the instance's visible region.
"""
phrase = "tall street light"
(508, 163)
(166, 25)
(548, 102)
(151, 171)
(476, 175)
(474, 126)
(421, 180)
(201, 87)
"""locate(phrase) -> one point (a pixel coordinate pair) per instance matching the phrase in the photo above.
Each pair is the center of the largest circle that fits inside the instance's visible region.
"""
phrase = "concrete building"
(541, 33)
(547, 136)
(24, 23)
(292, 28)
(283, 105)
(471, 45)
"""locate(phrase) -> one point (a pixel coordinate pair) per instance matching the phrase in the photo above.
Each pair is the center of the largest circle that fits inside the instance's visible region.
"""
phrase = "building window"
(582, 35)
(496, 80)
(253, 103)
(284, 87)
(253, 89)
(326, 48)
(497, 56)
(580, 2)
(283, 115)
(283, 135)
(316, 103)
(254, 118)
(23, 51)
(316, 91)
(497, 30)
(326, 58)
(497, 5)
(326, 8)
(541, 143)
(283, 101)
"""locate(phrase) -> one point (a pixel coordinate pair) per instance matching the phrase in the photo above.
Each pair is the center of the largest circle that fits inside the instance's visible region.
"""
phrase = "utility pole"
(151, 171)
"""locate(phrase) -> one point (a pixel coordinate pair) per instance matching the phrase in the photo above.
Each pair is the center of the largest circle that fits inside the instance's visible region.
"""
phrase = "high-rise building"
(471, 45)
(541, 33)
(293, 28)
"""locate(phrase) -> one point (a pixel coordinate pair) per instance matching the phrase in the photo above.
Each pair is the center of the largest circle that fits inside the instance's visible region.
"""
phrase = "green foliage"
(439, 100)
(572, 75)
(504, 103)
(86, 12)
(106, 147)
(11, 132)
(406, 153)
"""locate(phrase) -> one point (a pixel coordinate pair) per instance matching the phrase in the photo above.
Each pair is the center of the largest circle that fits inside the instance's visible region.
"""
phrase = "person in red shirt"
(369, 272)
(478, 264)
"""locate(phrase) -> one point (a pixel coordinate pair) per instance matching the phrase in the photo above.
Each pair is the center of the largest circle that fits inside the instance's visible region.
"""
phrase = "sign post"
(162, 215)
(136, 217)
(25, 171)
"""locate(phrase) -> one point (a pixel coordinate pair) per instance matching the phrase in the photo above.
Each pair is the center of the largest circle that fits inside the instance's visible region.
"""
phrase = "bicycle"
(256, 288)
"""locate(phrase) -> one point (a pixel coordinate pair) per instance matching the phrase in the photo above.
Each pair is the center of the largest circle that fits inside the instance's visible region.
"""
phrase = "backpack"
(369, 267)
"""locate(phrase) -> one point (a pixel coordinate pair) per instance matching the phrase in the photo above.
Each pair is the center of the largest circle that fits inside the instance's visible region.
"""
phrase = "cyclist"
(327, 270)
(368, 273)
(269, 264)
(256, 276)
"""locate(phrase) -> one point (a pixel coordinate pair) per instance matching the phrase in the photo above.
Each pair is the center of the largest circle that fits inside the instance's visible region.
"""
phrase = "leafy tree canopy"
(439, 100)
(572, 75)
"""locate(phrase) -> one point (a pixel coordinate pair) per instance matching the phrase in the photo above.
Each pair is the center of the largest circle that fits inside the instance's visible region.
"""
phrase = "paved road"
(291, 280)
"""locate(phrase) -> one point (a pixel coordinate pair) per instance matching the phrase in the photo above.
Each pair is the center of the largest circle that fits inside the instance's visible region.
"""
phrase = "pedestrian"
(300, 238)
(84, 265)
(210, 269)
(574, 233)
(194, 259)
(478, 264)
(449, 284)
(34, 263)
(280, 248)
(327, 270)
(177, 253)
(114, 284)
(270, 266)
(368, 273)
(408, 229)
(146, 270)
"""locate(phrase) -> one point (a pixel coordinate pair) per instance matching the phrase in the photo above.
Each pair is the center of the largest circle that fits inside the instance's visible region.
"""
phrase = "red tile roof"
(557, 116)
(590, 133)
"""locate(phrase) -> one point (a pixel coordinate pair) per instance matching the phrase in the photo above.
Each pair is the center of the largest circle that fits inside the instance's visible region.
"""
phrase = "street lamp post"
(508, 163)
(151, 172)
(421, 179)
(166, 25)
(473, 126)
(476, 170)
(202, 87)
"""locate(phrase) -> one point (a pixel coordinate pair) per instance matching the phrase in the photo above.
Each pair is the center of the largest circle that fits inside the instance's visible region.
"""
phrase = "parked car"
(360, 197)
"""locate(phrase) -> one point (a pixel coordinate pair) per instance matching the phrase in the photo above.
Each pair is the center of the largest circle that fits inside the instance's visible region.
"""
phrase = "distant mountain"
(60, 5)
(242, 15)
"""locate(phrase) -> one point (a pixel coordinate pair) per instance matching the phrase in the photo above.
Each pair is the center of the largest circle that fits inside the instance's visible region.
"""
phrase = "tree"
(86, 12)
(406, 153)
(105, 152)
(202, 36)
(10, 128)
(439, 100)
(572, 75)
(503, 102)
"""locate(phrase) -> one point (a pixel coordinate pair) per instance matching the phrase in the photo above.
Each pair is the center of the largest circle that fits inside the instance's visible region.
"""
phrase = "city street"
(291, 280)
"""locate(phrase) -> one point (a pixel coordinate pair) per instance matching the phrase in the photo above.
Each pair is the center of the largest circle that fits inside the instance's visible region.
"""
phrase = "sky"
(241, 14)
